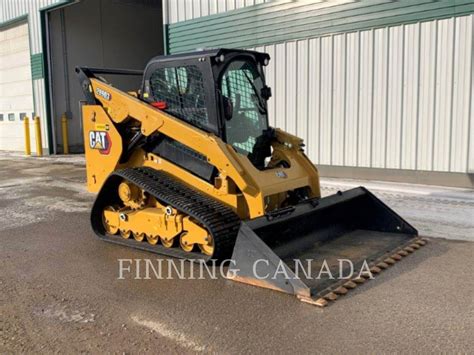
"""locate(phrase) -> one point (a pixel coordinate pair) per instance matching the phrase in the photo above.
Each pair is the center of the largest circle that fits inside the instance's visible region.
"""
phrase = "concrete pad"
(60, 292)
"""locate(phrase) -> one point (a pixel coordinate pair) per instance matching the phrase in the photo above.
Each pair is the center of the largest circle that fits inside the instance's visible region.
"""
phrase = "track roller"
(152, 239)
(139, 237)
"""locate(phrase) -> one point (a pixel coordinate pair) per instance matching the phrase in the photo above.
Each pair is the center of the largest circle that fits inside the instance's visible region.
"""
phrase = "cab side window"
(181, 92)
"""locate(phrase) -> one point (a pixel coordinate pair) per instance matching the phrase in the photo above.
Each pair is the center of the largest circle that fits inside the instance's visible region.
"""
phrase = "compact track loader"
(188, 166)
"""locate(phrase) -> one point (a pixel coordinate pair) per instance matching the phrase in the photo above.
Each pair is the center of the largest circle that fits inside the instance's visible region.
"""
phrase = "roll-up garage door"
(16, 94)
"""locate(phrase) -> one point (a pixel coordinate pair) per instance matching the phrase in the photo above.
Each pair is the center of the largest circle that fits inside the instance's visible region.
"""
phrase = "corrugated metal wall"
(397, 97)
(182, 10)
(287, 20)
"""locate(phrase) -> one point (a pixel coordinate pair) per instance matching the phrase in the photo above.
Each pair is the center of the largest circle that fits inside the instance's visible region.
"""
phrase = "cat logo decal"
(100, 140)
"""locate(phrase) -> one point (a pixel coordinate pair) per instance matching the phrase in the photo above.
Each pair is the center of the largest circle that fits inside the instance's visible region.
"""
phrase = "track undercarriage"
(149, 209)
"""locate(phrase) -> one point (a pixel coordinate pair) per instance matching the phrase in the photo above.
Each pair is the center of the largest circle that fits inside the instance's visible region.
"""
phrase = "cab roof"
(211, 53)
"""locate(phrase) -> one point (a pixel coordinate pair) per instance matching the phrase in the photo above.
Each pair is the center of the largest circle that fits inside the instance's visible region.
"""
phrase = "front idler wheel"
(110, 228)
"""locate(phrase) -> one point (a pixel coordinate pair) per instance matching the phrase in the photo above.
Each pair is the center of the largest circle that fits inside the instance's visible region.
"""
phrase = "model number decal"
(102, 93)
(100, 140)
(101, 127)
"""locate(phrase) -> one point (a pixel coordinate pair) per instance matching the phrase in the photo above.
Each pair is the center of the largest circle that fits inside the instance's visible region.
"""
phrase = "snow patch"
(179, 337)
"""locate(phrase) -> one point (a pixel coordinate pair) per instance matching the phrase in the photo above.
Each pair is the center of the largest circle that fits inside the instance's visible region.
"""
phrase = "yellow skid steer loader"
(188, 166)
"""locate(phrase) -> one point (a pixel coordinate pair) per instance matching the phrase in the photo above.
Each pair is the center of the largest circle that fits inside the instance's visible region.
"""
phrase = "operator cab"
(220, 91)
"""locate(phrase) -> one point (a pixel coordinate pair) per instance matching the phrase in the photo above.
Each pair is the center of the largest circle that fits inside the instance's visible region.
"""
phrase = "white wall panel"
(351, 131)
(302, 66)
(394, 95)
(365, 98)
(410, 98)
(182, 10)
(40, 107)
(197, 10)
(444, 86)
(470, 151)
(339, 97)
(280, 85)
(314, 97)
(380, 83)
(398, 97)
(461, 100)
(427, 94)
(270, 78)
(291, 113)
(325, 118)
(189, 9)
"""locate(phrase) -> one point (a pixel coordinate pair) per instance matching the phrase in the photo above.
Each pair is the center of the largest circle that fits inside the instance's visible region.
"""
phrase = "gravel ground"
(60, 292)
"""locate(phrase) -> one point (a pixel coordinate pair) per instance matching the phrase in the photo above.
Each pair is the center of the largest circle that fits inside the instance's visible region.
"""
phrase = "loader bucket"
(293, 249)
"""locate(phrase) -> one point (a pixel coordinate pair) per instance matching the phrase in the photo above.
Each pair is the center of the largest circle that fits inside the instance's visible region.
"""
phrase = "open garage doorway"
(96, 33)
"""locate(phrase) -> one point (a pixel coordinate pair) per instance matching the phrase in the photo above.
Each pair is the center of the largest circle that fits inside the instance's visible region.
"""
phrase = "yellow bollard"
(65, 136)
(26, 124)
(39, 143)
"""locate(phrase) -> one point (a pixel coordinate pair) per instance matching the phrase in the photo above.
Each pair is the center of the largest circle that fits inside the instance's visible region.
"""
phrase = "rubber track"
(221, 221)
